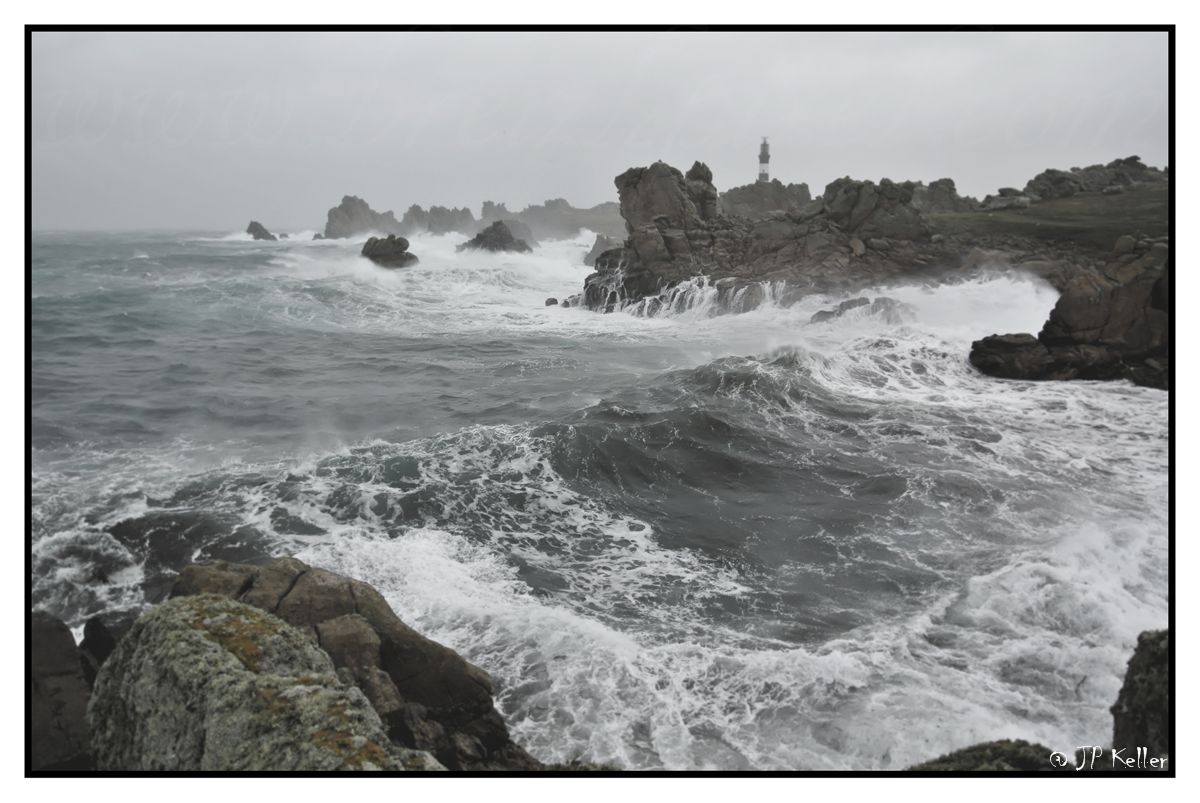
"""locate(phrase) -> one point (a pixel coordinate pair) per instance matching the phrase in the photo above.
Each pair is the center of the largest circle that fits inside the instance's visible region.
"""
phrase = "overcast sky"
(209, 130)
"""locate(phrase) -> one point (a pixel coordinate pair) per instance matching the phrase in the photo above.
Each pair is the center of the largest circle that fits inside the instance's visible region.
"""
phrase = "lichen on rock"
(206, 683)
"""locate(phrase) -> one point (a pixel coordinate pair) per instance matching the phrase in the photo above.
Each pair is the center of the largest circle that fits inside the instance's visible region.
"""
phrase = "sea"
(696, 540)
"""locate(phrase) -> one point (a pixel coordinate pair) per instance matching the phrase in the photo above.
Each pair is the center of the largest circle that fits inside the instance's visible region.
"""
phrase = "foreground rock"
(1142, 713)
(1005, 755)
(259, 232)
(58, 737)
(496, 237)
(208, 684)
(1112, 326)
(428, 697)
(390, 251)
(859, 234)
(353, 216)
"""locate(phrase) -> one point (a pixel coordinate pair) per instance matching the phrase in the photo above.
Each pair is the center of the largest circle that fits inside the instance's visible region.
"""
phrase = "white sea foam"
(611, 658)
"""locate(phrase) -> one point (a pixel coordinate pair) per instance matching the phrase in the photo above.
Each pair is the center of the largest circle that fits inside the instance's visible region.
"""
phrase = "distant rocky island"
(554, 220)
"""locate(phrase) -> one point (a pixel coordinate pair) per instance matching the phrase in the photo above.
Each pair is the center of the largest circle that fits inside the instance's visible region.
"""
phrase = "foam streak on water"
(688, 539)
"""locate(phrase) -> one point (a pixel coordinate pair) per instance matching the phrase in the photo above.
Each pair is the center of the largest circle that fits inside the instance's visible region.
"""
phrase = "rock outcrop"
(58, 737)
(558, 220)
(208, 684)
(390, 251)
(1113, 176)
(603, 243)
(1112, 326)
(353, 217)
(1142, 714)
(941, 196)
(1005, 755)
(765, 198)
(259, 232)
(428, 697)
(438, 220)
(677, 231)
(495, 237)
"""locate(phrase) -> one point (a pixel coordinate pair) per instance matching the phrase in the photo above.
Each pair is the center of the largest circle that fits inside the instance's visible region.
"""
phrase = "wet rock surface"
(496, 237)
(203, 683)
(1114, 325)
(390, 252)
(428, 696)
(59, 694)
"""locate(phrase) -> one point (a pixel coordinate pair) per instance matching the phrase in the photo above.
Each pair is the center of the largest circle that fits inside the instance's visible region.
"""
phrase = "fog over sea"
(689, 541)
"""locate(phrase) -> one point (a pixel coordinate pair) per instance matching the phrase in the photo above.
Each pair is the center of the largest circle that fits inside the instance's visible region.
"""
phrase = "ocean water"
(690, 541)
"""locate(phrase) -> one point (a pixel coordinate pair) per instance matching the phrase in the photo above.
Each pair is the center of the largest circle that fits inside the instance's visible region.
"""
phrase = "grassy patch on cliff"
(1091, 219)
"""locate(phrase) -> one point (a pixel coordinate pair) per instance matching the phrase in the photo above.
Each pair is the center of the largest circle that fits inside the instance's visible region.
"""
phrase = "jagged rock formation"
(353, 217)
(867, 210)
(428, 697)
(941, 196)
(1113, 176)
(603, 243)
(1142, 713)
(438, 220)
(676, 231)
(764, 198)
(495, 237)
(558, 220)
(491, 211)
(208, 684)
(259, 232)
(1111, 326)
(390, 251)
(59, 693)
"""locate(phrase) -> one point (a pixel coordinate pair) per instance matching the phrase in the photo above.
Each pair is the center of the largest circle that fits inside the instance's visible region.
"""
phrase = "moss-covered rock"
(1142, 713)
(206, 683)
(1004, 755)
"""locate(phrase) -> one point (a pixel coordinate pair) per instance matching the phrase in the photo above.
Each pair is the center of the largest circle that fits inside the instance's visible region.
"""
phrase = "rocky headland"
(1111, 323)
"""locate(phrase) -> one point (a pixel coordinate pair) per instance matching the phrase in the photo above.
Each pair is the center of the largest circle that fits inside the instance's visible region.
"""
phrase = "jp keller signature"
(1124, 758)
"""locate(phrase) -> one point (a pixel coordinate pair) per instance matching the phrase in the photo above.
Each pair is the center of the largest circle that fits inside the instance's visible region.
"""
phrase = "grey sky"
(209, 130)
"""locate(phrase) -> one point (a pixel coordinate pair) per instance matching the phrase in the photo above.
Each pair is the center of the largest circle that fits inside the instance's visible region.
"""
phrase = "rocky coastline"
(287, 667)
(1112, 321)
(280, 666)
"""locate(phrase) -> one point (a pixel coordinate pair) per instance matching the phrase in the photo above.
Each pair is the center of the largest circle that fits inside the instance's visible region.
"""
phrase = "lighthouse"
(764, 156)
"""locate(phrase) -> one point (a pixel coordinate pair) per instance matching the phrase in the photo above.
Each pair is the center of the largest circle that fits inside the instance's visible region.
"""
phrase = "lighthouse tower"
(764, 156)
